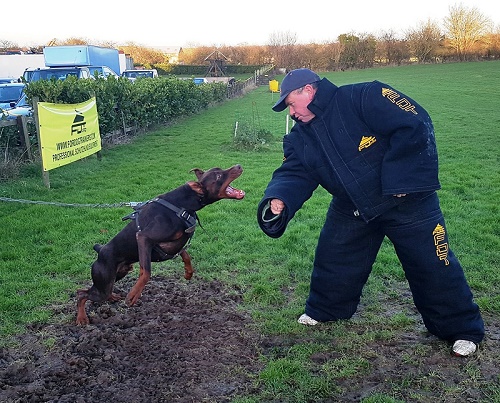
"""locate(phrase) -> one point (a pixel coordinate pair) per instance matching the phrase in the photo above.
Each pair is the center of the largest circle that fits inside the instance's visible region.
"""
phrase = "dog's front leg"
(144, 247)
(188, 267)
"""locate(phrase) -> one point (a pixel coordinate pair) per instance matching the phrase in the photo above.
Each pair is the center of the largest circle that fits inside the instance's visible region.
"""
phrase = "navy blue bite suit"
(367, 143)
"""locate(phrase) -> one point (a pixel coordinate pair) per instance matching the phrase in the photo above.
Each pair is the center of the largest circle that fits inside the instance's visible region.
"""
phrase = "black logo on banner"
(79, 125)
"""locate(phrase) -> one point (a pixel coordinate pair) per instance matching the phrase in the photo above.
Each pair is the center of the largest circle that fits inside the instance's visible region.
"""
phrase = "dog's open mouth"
(231, 192)
(234, 193)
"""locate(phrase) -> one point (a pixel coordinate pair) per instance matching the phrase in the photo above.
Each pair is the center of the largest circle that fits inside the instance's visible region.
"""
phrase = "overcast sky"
(222, 22)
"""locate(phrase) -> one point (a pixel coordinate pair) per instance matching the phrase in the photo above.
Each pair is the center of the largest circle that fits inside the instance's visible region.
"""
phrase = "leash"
(98, 205)
(182, 213)
(189, 220)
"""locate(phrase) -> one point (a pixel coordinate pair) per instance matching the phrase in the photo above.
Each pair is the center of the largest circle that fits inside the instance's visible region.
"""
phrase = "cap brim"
(280, 105)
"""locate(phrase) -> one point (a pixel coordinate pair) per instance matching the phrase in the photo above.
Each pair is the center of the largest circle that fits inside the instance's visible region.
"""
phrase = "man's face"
(297, 102)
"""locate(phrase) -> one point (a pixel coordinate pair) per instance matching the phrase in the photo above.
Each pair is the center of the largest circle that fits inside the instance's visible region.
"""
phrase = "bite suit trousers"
(348, 246)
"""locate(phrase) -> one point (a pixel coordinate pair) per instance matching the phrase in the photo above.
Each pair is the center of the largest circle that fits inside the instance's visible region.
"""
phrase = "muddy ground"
(189, 342)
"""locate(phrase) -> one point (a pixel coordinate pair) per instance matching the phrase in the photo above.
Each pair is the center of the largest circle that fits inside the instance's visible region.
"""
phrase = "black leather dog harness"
(189, 221)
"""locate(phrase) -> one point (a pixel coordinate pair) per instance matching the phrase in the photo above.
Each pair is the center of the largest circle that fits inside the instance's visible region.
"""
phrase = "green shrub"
(248, 137)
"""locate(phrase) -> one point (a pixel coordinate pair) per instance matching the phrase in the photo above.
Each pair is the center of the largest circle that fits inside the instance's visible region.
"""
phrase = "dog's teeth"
(236, 193)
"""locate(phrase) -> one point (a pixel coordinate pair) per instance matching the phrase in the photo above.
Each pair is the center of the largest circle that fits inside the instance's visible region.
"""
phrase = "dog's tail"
(97, 247)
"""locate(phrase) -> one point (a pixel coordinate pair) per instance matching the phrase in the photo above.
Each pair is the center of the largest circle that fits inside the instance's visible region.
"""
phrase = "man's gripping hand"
(277, 206)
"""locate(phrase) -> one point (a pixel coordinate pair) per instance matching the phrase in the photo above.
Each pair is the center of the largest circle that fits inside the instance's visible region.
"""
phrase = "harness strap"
(188, 220)
(182, 213)
(166, 256)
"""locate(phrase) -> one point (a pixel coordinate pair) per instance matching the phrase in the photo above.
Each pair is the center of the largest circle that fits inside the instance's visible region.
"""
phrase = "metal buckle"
(185, 215)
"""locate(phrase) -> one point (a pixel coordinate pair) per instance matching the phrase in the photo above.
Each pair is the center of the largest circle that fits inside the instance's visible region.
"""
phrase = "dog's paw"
(82, 320)
(132, 299)
(115, 297)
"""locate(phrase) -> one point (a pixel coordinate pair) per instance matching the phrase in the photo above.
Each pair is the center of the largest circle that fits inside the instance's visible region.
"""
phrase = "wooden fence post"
(22, 125)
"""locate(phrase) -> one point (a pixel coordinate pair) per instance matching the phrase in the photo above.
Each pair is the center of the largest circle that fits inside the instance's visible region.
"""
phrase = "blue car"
(10, 93)
(20, 108)
(6, 80)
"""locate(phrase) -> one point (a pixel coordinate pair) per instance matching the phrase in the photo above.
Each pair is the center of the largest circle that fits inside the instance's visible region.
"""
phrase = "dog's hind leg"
(81, 315)
(103, 277)
(122, 270)
(188, 267)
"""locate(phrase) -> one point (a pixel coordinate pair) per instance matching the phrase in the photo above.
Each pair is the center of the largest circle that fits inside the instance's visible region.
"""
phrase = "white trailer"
(14, 65)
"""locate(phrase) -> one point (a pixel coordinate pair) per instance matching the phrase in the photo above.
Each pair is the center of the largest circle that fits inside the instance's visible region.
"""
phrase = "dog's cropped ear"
(198, 172)
(197, 187)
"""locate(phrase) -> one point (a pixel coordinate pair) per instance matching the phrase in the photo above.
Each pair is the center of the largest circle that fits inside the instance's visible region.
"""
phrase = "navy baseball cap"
(293, 80)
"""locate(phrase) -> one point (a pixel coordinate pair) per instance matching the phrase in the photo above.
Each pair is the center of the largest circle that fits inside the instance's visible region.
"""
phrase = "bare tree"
(281, 46)
(144, 56)
(367, 49)
(333, 51)
(390, 49)
(195, 55)
(74, 41)
(7, 45)
(306, 56)
(493, 44)
(465, 26)
(424, 40)
(257, 55)
(320, 56)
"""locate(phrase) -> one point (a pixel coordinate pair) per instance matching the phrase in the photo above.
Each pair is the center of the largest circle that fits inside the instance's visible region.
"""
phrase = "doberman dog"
(160, 229)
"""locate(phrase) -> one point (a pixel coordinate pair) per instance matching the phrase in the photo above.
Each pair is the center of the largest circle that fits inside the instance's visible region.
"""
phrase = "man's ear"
(198, 172)
(310, 91)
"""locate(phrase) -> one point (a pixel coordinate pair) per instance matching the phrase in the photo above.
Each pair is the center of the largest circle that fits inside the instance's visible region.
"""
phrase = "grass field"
(46, 250)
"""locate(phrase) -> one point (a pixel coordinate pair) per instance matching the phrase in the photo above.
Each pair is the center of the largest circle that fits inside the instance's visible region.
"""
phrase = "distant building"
(172, 52)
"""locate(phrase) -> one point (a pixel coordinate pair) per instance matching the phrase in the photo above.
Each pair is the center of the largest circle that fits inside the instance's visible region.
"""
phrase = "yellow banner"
(68, 132)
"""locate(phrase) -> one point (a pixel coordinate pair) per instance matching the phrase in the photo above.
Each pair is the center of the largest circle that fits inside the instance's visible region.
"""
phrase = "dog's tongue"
(235, 193)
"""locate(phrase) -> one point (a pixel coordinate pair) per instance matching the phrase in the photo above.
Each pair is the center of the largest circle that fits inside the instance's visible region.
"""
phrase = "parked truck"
(82, 55)
(102, 59)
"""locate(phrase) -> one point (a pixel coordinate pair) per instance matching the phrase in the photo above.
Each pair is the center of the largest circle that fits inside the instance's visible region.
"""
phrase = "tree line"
(467, 34)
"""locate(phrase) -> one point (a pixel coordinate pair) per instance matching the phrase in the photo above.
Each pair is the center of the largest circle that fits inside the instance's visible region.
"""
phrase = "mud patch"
(189, 342)
(183, 342)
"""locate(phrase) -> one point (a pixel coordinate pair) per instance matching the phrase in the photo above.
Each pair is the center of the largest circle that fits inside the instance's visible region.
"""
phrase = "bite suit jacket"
(366, 143)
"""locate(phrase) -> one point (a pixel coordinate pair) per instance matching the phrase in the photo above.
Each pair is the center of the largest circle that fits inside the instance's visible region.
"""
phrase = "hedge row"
(200, 71)
(120, 103)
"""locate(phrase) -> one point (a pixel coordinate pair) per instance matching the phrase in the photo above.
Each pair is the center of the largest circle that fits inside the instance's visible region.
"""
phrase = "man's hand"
(277, 206)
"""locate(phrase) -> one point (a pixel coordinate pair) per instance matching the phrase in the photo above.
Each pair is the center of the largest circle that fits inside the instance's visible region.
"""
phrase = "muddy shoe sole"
(307, 320)
(464, 348)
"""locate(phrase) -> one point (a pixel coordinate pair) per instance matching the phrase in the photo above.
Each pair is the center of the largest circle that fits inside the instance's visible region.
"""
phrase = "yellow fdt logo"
(366, 142)
(441, 247)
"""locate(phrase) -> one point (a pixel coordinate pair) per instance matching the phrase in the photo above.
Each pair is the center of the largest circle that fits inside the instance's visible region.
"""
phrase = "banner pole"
(45, 174)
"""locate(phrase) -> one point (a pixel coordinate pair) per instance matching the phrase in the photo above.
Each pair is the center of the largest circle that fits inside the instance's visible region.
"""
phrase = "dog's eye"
(218, 177)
